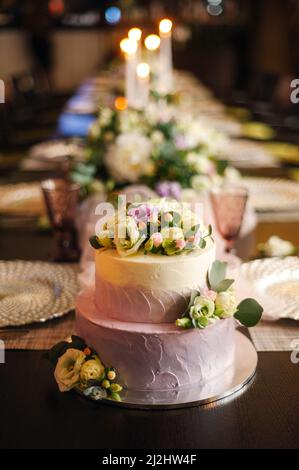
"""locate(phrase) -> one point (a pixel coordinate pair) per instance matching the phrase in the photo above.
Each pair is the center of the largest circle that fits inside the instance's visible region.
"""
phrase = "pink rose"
(168, 217)
(180, 244)
(209, 293)
(157, 239)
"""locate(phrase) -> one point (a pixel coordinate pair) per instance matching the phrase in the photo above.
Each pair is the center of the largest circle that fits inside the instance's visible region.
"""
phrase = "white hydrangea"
(128, 157)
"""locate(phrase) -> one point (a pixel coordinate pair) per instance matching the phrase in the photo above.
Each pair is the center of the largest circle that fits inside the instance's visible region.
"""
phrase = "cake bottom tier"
(156, 356)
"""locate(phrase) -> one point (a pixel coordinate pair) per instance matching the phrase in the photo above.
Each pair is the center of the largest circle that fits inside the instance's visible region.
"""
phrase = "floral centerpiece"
(78, 367)
(216, 301)
(159, 226)
(156, 144)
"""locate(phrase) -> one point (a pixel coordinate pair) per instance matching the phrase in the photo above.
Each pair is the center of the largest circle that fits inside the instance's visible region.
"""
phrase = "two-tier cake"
(144, 280)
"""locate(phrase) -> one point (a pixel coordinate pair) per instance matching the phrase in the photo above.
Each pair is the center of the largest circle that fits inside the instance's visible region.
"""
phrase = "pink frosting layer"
(137, 304)
(156, 356)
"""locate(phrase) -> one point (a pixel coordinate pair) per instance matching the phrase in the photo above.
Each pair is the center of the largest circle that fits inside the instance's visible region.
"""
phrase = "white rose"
(157, 137)
(127, 159)
(197, 135)
(200, 162)
(204, 305)
(275, 246)
(200, 183)
(226, 304)
(232, 174)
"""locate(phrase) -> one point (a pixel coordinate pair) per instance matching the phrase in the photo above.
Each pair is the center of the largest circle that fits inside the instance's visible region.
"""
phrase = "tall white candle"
(143, 76)
(165, 72)
(152, 44)
(135, 34)
(129, 47)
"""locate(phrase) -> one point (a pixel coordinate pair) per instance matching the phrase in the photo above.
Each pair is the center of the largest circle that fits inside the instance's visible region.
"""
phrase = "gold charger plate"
(284, 151)
(35, 291)
(22, 199)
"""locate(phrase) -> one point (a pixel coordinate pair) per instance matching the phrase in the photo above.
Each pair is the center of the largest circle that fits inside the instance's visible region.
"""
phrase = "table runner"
(40, 336)
(282, 335)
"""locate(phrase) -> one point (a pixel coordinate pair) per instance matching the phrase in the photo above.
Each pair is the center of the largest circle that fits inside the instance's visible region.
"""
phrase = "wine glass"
(61, 200)
(229, 203)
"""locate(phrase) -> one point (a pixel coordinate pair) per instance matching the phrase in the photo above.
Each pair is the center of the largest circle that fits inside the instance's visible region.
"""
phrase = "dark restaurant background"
(245, 51)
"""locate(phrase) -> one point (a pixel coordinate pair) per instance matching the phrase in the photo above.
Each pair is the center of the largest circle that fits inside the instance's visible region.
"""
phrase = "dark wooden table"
(34, 414)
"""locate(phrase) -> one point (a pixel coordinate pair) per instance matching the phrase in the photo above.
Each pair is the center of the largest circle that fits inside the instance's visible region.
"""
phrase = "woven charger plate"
(275, 282)
(35, 291)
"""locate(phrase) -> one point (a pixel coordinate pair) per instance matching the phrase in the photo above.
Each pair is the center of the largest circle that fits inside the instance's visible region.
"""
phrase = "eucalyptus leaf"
(249, 312)
(94, 242)
(58, 350)
(202, 243)
(194, 294)
(77, 343)
(224, 285)
(216, 274)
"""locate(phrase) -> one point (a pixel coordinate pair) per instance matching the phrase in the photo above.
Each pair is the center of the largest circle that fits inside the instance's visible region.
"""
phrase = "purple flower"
(169, 189)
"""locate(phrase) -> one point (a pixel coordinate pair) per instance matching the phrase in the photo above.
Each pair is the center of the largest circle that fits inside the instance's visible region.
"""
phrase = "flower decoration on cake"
(159, 226)
(217, 301)
(78, 367)
(158, 144)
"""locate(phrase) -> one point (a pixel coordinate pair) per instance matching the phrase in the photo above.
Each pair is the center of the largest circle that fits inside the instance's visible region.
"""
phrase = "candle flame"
(165, 26)
(121, 103)
(143, 70)
(152, 42)
(128, 46)
(135, 34)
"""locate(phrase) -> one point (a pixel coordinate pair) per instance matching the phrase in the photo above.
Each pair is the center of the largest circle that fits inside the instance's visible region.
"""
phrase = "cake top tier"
(159, 227)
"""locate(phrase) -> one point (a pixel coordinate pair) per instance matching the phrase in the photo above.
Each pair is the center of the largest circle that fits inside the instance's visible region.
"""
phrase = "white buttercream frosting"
(149, 288)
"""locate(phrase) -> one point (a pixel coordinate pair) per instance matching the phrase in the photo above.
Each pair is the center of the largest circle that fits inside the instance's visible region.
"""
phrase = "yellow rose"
(92, 370)
(67, 371)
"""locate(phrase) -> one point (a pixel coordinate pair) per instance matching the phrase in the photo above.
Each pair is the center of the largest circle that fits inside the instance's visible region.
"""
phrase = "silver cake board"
(233, 380)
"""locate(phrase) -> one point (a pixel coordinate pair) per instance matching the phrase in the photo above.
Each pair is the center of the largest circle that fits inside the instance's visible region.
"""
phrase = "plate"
(257, 131)
(247, 154)
(57, 151)
(233, 380)
(275, 283)
(284, 151)
(35, 291)
(272, 194)
(22, 199)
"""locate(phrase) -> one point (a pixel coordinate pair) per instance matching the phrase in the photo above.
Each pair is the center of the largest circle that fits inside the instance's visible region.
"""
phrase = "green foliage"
(249, 312)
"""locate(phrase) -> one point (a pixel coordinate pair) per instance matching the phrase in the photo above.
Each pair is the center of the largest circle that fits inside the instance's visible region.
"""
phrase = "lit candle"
(129, 47)
(152, 44)
(143, 75)
(165, 73)
(135, 35)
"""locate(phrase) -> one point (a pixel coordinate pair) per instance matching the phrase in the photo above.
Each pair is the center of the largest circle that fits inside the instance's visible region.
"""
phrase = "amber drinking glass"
(229, 203)
(61, 200)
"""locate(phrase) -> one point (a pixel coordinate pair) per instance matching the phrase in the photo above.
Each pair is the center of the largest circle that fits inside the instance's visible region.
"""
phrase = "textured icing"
(156, 356)
(149, 288)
